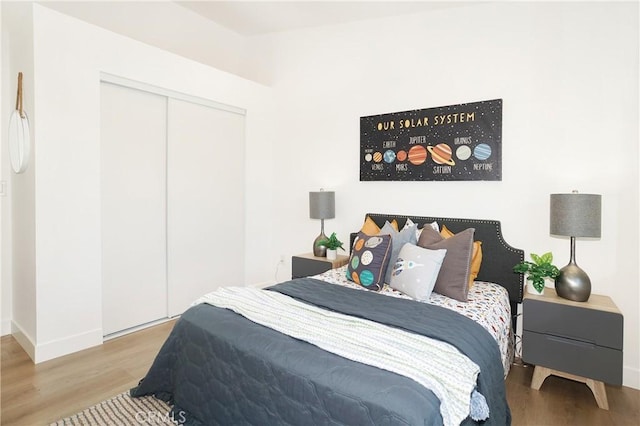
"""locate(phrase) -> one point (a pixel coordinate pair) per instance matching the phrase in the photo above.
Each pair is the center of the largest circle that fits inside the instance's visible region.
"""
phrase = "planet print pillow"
(370, 256)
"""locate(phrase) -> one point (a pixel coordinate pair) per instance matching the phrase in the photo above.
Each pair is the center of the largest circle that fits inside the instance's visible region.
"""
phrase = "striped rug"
(123, 410)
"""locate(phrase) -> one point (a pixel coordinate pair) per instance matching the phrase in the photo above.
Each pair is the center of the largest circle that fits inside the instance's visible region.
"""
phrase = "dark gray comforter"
(218, 368)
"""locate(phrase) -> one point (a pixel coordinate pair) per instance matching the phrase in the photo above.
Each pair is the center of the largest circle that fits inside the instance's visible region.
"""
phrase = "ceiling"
(248, 18)
(216, 33)
(262, 17)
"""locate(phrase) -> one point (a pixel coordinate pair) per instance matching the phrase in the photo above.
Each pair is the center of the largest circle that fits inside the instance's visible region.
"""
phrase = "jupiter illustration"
(417, 155)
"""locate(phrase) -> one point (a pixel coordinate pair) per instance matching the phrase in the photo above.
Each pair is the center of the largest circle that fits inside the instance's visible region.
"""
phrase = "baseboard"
(5, 327)
(55, 348)
(24, 340)
(631, 377)
(67, 345)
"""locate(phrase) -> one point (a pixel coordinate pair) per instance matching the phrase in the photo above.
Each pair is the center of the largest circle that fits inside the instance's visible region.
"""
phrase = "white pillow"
(416, 270)
(410, 223)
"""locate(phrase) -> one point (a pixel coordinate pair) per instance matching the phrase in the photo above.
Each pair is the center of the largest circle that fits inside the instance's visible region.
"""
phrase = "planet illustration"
(358, 244)
(368, 157)
(417, 155)
(373, 242)
(463, 152)
(355, 277)
(377, 157)
(482, 151)
(366, 278)
(402, 155)
(389, 156)
(366, 257)
(355, 262)
(441, 154)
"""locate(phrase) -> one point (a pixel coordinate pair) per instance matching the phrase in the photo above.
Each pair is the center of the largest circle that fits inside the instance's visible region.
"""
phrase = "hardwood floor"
(40, 394)
(43, 393)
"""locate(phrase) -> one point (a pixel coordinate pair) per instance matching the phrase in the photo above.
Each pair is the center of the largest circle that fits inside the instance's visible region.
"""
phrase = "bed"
(218, 366)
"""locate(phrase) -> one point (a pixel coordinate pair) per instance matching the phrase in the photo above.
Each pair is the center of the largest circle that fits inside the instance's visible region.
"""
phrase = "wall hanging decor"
(449, 143)
(19, 134)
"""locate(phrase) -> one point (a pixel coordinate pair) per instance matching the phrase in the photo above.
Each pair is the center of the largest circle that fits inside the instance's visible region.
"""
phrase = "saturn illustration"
(441, 154)
(373, 242)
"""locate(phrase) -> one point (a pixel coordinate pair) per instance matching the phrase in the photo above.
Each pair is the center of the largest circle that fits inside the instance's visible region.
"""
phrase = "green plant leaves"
(331, 243)
(536, 271)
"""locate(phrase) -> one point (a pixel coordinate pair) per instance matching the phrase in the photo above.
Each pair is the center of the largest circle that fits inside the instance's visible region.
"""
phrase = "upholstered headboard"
(498, 257)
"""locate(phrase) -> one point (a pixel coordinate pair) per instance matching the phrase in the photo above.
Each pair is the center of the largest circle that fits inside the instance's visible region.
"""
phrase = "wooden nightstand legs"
(597, 387)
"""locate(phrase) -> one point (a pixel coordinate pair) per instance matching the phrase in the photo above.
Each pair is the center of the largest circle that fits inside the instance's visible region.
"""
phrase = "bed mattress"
(487, 304)
(218, 367)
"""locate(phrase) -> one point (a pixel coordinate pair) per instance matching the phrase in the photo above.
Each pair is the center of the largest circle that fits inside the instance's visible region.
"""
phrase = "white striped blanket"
(438, 366)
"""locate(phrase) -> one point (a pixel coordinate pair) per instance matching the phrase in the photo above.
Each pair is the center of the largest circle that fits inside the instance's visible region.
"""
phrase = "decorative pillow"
(398, 239)
(409, 223)
(415, 271)
(476, 256)
(453, 279)
(369, 259)
(371, 228)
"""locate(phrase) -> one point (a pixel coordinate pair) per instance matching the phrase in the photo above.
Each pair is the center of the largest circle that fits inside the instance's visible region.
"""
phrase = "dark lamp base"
(573, 283)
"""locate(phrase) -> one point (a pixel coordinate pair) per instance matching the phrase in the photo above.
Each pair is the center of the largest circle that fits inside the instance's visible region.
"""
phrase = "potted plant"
(537, 271)
(332, 244)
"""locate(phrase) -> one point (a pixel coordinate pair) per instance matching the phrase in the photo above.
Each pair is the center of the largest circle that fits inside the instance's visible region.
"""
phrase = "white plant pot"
(547, 283)
(532, 290)
(332, 254)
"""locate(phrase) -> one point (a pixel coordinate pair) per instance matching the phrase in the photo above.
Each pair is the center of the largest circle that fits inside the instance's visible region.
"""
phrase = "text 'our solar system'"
(450, 143)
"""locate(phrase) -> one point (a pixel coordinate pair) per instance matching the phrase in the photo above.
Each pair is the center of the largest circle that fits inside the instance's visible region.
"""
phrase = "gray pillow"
(398, 239)
(453, 279)
(415, 271)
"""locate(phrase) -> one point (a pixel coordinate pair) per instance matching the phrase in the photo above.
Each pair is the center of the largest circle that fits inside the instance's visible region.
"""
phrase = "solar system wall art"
(450, 143)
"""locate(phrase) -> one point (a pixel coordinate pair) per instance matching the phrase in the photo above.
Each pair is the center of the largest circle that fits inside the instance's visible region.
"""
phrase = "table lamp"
(322, 205)
(574, 215)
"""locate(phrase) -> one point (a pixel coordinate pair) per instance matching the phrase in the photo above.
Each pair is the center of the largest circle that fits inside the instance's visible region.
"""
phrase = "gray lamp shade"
(322, 205)
(575, 215)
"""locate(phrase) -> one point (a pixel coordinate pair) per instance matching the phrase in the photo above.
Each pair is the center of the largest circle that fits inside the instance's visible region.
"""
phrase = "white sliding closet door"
(133, 161)
(205, 190)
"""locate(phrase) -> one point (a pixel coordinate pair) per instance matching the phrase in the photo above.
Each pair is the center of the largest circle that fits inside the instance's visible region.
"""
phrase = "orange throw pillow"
(370, 228)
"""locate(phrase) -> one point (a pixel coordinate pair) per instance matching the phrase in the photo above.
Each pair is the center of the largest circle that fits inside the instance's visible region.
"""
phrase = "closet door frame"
(175, 95)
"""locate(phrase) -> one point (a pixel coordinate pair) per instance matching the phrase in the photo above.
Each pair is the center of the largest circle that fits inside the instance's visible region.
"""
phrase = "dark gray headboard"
(498, 257)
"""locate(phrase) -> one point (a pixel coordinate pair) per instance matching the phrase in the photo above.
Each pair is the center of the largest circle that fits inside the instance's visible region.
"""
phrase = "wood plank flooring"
(39, 394)
(43, 393)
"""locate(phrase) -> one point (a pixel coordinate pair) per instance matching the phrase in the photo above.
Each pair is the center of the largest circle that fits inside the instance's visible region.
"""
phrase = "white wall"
(69, 56)
(18, 207)
(568, 76)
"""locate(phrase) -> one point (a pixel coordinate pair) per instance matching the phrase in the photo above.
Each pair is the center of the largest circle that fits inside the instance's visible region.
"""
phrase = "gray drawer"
(302, 267)
(590, 325)
(573, 356)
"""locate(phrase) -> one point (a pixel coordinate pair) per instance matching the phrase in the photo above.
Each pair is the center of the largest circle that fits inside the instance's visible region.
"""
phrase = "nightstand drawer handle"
(572, 341)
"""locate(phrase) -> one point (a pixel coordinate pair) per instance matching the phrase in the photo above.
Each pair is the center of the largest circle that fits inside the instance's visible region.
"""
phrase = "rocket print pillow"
(416, 270)
(370, 256)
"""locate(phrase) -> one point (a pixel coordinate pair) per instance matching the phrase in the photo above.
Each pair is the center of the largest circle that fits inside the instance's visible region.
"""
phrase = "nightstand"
(580, 341)
(304, 265)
